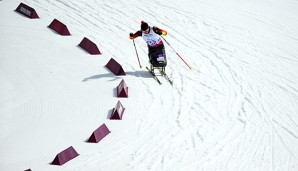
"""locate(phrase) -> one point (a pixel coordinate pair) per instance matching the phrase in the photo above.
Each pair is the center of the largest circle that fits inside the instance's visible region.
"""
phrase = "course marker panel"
(27, 11)
(59, 27)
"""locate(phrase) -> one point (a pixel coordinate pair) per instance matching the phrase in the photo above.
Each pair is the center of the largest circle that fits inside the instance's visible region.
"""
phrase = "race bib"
(152, 38)
(152, 42)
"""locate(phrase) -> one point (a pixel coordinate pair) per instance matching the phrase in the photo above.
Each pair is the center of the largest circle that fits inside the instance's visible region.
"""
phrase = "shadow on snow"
(143, 74)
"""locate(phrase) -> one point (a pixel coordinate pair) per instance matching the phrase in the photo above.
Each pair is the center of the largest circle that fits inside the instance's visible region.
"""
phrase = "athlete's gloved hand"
(164, 33)
(131, 35)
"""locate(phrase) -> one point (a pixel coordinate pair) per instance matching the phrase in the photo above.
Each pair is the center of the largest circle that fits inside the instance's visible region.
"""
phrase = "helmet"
(144, 26)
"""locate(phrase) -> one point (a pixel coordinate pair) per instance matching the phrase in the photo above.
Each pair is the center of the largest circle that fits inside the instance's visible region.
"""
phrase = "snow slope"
(236, 111)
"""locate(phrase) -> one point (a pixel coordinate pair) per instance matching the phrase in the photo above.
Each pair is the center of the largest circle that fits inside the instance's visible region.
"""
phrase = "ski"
(154, 76)
(166, 76)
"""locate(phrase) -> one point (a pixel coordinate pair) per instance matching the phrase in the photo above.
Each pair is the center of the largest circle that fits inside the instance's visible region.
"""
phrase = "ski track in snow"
(235, 111)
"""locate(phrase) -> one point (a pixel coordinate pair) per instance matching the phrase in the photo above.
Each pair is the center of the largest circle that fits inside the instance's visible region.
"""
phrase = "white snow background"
(237, 109)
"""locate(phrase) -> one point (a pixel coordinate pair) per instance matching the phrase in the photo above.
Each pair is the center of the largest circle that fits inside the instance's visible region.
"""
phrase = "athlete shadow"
(99, 76)
(142, 74)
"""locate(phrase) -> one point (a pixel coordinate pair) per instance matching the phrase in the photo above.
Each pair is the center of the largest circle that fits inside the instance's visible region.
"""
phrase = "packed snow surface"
(236, 110)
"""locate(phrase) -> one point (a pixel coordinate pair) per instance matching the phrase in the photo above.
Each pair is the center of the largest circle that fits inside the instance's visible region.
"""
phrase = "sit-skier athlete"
(156, 48)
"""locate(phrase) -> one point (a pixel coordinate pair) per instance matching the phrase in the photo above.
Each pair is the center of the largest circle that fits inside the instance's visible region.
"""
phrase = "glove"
(131, 35)
(164, 33)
